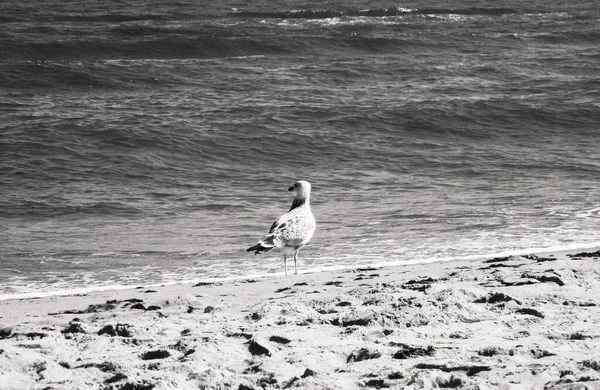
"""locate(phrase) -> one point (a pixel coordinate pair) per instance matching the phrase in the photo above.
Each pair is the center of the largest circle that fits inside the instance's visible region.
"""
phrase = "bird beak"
(291, 188)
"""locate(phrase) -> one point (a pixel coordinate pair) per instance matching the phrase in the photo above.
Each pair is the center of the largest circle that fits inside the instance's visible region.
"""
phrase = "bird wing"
(293, 230)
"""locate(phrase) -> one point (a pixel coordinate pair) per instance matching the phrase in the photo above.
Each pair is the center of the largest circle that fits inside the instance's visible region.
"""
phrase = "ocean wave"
(184, 46)
(374, 12)
(47, 209)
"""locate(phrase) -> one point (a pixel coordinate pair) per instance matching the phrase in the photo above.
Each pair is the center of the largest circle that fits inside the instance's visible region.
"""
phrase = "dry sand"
(518, 322)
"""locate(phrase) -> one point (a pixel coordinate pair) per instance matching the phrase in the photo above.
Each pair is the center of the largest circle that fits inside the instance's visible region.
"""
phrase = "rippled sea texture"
(147, 141)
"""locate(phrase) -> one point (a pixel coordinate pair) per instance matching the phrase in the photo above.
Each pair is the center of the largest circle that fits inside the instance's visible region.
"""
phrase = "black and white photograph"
(299, 194)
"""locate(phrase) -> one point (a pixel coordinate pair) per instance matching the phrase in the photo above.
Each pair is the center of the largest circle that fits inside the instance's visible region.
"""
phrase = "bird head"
(302, 189)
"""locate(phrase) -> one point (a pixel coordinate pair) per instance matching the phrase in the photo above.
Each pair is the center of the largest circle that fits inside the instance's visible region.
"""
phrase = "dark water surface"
(153, 141)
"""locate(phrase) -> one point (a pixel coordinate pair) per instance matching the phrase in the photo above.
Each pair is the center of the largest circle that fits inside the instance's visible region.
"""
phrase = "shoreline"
(559, 250)
(517, 322)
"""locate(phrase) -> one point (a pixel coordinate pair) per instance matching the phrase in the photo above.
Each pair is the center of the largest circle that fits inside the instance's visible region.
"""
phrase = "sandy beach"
(520, 322)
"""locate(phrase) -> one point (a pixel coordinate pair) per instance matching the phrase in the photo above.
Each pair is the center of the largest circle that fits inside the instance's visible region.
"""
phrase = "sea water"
(149, 142)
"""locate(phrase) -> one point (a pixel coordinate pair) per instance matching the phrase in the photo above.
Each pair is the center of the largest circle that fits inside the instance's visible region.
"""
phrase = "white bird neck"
(300, 201)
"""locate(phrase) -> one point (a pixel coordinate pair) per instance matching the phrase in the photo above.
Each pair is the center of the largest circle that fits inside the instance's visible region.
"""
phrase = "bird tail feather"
(264, 245)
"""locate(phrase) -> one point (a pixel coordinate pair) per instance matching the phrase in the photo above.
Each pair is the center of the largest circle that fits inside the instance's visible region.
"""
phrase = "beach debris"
(153, 308)
(495, 298)
(344, 304)
(279, 339)
(568, 382)
(593, 364)
(458, 335)
(336, 283)
(498, 259)
(406, 351)
(115, 378)
(138, 306)
(421, 285)
(367, 269)
(363, 354)
(517, 281)
(543, 278)
(5, 332)
(490, 351)
(243, 335)
(300, 284)
(209, 309)
(109, 305)
(283, 289)
(29, 335)
(189, 352)
(123, 330)
(395, 375)
(579, 336)
(149, 291)
(180, 346)
(541, 353)
(407, 302)
(451, 381)
(39, 367)
(190, 309)
(257, 349)
(376, 383)
(104, 366)
(531, 312)
(291, 382)
(267, 380)
(586, 304)
(470, 370)
(308, 372)
(255, 316)
(157, 354)
(586, 254)
(244, 387)
(539, 259)
(130, 300)
(360, 321)
(502, 265)
(74, 327)
(204, 284)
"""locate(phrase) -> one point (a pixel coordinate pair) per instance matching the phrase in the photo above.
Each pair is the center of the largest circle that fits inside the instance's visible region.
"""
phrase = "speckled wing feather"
(292, 230)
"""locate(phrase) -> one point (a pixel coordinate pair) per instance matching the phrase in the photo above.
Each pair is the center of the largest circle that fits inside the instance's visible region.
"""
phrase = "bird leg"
(285, 263)
(295, 261)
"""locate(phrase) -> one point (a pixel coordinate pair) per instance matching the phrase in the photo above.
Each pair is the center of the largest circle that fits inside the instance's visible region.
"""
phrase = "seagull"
(290, 232)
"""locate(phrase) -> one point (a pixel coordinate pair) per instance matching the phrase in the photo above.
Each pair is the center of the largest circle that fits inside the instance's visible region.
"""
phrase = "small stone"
(363, 354)
(257, 349)
(531, 312)
(74, 327)
(209, 309)
(158, 354)
(5, 333)
(308, 372)
(280, 340)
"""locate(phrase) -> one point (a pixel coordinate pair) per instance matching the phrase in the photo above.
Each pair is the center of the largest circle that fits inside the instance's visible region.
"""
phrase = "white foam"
(589, 213)
(381, 264)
